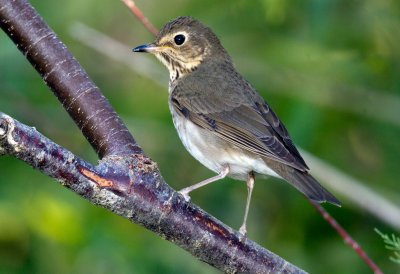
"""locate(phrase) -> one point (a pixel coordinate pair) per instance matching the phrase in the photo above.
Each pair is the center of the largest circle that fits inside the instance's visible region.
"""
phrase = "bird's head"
(183, 44)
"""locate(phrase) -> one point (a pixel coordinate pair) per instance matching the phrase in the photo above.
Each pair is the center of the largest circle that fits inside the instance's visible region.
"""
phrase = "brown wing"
(250, 125)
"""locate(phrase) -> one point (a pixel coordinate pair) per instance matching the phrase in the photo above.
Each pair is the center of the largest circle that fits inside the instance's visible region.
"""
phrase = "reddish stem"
(346, 237)
(139, 15)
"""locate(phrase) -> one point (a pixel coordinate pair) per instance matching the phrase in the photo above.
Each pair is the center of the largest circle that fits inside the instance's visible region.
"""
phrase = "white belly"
(210, 150)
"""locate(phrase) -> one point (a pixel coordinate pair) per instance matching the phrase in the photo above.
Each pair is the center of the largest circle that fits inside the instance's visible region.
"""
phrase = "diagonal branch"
(139, 15)
(132, 187)
(80, 97)
(347, 238)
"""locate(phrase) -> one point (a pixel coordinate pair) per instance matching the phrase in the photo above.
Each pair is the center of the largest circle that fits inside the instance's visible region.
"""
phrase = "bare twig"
(357, 192)
(347, 238)
(139, 15)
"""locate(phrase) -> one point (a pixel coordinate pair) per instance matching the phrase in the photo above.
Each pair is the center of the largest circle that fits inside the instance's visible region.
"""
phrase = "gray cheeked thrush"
(221, 119)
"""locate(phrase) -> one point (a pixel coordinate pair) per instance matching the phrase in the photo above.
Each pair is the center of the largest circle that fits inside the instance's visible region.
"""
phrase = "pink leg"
(185, 191)
(250, 185)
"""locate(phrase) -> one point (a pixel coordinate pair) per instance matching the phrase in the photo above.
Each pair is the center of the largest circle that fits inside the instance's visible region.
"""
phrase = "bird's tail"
(307, 185)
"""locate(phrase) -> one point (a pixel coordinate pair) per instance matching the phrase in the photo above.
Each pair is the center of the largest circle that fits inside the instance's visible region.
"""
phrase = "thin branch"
(139, 15)
(347, 238)
(356, 191)
(132, 187)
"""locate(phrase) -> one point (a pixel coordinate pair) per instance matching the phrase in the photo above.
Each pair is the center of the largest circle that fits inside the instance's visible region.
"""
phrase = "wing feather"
(257, 131)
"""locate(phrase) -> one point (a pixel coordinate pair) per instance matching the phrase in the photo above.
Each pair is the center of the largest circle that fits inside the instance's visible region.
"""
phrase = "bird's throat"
(177, 68)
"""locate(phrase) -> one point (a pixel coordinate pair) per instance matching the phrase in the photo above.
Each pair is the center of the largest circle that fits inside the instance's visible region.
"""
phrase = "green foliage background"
(324, 66)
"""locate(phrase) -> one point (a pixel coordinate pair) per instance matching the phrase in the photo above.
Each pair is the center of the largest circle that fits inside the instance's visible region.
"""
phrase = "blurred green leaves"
(275, 11)
(53, 219)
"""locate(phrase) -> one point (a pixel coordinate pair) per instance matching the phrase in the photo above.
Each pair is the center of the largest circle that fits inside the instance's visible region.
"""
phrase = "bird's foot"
(243, 233)
(185, 195)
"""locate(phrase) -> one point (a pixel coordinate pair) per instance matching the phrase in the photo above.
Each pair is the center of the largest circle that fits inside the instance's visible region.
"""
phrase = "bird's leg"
(185, 191)
(250, 185)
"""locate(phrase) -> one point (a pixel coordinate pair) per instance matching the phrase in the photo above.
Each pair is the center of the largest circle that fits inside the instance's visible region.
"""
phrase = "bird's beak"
(146, 48)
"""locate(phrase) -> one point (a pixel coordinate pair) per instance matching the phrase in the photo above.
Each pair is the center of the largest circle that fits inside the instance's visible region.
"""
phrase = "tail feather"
(307, 185)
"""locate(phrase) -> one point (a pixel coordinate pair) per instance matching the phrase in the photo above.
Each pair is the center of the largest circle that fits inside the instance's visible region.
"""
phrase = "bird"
(221, 119)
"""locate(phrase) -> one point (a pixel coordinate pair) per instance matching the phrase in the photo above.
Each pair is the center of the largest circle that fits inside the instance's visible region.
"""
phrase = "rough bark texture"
(131, 186)
(125, 181)
(80, 97)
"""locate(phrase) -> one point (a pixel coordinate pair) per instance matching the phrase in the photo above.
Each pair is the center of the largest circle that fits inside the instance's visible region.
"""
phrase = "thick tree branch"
(80, 97)
(126, 182)
(131, 186)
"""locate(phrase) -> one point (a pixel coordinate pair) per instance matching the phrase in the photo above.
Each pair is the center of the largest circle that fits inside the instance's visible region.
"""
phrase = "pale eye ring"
(179, 39)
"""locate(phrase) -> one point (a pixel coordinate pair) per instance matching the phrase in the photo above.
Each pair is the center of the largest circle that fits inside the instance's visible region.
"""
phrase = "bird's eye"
(179, 39)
